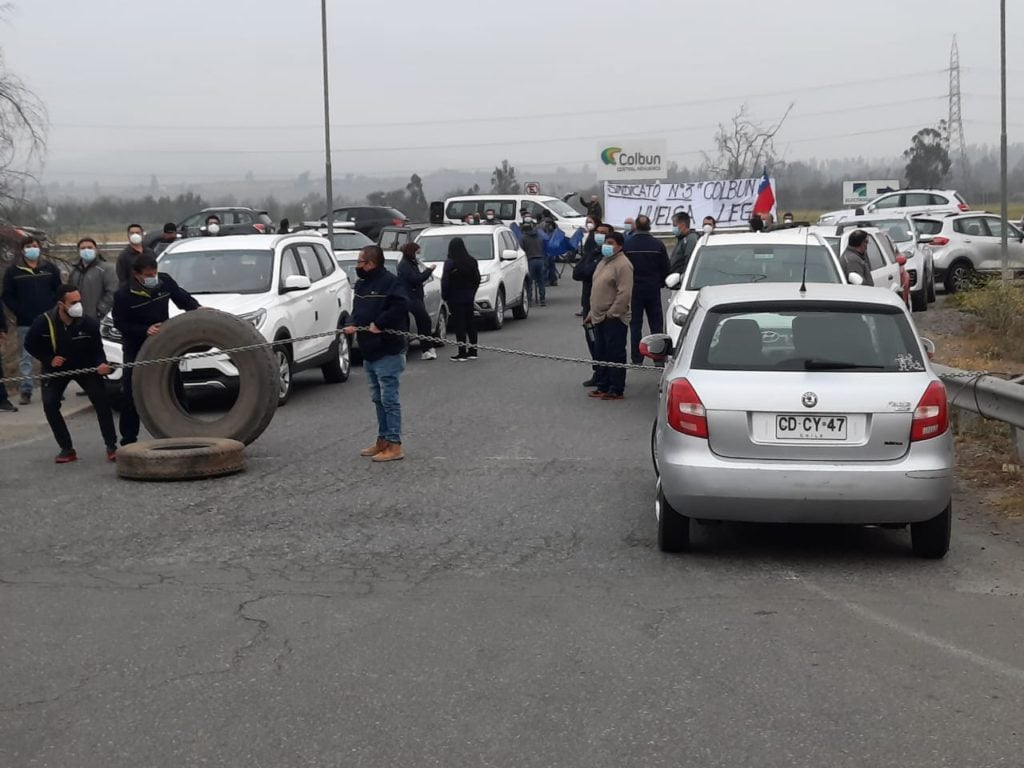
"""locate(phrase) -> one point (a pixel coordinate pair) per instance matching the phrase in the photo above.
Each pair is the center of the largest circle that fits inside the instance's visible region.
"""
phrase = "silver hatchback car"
(784, 405)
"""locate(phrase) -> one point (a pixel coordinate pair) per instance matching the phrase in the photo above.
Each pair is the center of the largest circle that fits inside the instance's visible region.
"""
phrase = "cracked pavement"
(497, 599)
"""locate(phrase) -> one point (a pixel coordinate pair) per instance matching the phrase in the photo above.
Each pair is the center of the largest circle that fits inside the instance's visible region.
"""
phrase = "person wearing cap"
(160, 241)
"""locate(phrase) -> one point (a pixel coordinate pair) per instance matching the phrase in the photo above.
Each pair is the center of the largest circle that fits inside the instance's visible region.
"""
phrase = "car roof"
(541, 198)
(240, 242)
(718, 295)
(231, 208)
(462, 229)
(787, 236)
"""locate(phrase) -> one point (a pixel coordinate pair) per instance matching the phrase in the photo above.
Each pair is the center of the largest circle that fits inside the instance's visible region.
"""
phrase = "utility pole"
(1004, 208)
(327, 127)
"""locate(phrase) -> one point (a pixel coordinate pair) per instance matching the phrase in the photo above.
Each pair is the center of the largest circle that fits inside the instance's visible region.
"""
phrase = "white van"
(509, 209)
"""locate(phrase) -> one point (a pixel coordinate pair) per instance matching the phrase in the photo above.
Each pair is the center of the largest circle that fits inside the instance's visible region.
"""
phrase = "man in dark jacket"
(135, 248)
(649, 258)
(381, 305)
(593, 207)
(686, 241)
(536, 260)
(584, 272)
(140, 308)
(94, 278)
(855, 257)
(413, 278)
(6, 405)
(159, 242)
(30, 288)
(64, 339)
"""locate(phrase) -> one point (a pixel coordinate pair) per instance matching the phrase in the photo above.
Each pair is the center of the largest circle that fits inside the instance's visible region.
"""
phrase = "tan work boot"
(374, 449)
(392, 452)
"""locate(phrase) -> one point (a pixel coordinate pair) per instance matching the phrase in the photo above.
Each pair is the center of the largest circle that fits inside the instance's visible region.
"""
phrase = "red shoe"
(596, 393)
(111, 453)
(610, 396)
(66, 457)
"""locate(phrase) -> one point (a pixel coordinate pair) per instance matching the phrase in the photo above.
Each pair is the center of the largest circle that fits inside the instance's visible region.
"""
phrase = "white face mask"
(590, 226)
(135, 238)
(213, 229)
(708, 229)
(75, 310)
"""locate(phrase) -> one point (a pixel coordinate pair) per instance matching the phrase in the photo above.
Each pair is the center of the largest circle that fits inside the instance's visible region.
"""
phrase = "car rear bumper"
(700, 484)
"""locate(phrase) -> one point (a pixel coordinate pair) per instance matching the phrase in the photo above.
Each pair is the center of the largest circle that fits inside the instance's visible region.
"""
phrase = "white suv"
(504, 276)
(287, 286)
(911, 201)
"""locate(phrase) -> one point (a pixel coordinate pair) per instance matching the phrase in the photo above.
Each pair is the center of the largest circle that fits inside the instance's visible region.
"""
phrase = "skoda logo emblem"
(810, 399)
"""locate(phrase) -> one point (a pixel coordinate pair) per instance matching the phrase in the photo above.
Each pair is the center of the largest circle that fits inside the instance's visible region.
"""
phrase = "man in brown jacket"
(610, 299)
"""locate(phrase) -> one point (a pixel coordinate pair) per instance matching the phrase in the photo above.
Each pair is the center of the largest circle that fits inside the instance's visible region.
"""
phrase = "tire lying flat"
(258, 391)
(181, 458)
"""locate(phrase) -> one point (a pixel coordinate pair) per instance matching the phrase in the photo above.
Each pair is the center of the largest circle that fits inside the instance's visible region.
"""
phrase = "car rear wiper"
(836, 365)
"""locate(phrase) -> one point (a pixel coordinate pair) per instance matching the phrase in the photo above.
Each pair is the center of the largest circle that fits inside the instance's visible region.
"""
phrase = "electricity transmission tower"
(955, 144)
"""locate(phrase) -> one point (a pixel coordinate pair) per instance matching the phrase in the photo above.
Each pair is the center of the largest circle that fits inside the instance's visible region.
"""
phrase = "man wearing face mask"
(629, 228)
(162, 239)
(64, 339)
(650, 263)
(610, 301)
(491, 218)
(30, 289)
(686, 241)
(140, 308)
(212, 228)
(136, 247)
(709, 224)
(536, 260)
(94, 279)
(584, 273)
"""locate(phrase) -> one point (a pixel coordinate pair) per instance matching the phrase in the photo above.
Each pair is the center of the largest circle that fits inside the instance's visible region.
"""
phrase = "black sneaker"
(591, 382)
(460, 358)
(26, 398)
(473, 355)
(8, 407)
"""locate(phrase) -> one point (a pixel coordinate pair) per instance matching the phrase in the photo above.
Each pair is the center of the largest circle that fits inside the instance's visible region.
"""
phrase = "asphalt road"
(497, 599)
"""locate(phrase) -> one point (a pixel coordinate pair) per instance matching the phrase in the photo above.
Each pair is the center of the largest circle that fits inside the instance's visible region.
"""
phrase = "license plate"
(806, 427)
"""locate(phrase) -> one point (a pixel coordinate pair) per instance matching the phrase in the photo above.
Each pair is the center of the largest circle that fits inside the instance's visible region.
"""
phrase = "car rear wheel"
(673, 528)
(930, 539)
(498, 319)
(919, 300)
(931, 288)
(283, 364)
(523, 310)
(654, 448)
(959, 277)
(336, 371)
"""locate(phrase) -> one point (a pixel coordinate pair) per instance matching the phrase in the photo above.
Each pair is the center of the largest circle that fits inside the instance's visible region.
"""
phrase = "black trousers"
(464, 323)
(646, 300)
(423, 327)
(129, 421)
(610, 347)
(92, 383)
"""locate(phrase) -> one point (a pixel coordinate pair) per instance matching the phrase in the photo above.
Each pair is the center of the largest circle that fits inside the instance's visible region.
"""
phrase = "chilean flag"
(765, 196)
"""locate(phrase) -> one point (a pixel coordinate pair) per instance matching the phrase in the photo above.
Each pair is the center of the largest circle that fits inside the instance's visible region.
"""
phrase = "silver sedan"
(787, 406)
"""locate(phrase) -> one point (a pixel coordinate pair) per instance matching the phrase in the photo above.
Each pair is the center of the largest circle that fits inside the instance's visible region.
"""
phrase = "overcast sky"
(210, 88)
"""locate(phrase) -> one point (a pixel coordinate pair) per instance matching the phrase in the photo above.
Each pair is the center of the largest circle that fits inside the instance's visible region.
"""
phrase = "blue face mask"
(150, 282)
(88, 255)
(32, 253)
(599, 238)
(607, 250)
(675, 230)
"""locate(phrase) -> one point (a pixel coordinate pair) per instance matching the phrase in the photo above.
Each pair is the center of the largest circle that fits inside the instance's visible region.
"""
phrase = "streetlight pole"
(1004, 209)
(327, 127)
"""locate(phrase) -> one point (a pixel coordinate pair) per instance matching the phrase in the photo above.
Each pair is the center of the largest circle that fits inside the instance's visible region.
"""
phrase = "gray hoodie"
(97, 282)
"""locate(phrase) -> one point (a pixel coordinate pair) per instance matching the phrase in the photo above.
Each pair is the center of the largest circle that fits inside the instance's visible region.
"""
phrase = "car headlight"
(257, 318)
(485, 279)
(679, 315)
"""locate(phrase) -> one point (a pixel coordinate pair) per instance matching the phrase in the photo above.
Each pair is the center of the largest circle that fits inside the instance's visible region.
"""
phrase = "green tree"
(927, 159)
(503, 180)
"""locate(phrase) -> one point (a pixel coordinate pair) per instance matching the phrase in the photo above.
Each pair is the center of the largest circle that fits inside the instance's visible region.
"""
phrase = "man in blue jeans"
(381, 305)
(611, 297)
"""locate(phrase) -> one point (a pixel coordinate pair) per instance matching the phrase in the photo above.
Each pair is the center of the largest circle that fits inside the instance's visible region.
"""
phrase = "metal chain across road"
(292, 340)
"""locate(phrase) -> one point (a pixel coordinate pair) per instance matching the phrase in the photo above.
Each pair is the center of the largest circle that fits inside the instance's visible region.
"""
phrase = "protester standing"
(629, 228)
(609, 316)
(6, 406)
(95, 280)
(166, 236)
(686, 241)
(141, 306)
(30, 289)
(212, 228)
(459, 282)
(414, 276)
(65, 339)
(584, 272)
(135, 248)
(536, 260)
(709, 224)
(593, 207)
(284, 227)
(381, 305)
(650, 263)
(855, 257)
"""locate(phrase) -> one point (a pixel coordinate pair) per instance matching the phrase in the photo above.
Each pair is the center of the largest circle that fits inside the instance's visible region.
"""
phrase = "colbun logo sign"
(638, 160)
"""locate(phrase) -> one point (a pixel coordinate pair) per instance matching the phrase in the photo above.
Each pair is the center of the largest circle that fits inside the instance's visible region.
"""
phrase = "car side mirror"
(294, 283)
(673, 281)
(656, 347)
(901, 260)
(509, 255)
(929, 347)
(854, 279)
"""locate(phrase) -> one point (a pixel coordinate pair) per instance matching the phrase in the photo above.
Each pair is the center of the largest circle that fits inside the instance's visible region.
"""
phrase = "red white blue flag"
(765, 195)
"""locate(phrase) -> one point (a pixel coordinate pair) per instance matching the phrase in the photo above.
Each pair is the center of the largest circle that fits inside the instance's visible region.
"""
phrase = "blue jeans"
(25, 362)
(384, 376)
(610, 347)
(538, 278)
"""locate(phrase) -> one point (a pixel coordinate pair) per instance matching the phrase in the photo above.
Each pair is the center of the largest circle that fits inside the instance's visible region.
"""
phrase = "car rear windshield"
(435, 247)
(755, 263)
(807, 337)
(459, 209)
(898, 229)
(927, 226)
(350, 241)
(201, 272)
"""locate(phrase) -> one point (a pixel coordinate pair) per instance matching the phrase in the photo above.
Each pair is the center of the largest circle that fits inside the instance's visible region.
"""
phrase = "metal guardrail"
(987, 396)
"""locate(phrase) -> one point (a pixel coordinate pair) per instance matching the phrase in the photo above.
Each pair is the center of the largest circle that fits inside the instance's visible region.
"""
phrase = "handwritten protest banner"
(730, 201)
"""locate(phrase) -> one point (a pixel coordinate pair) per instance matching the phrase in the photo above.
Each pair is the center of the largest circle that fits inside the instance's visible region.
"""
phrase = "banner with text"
(730, 201)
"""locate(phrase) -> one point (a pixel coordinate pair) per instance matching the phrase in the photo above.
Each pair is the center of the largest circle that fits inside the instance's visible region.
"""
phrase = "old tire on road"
(153, 385)
(180, 458)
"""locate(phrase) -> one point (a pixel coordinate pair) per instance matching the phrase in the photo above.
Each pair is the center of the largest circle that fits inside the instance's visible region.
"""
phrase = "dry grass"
(986, 459)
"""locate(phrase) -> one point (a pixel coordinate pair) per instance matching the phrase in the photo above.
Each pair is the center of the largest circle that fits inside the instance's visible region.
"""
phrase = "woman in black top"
(413, 278)
(458, 289)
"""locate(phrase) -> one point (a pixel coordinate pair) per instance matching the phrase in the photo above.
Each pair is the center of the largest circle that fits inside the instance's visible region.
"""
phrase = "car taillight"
(686, 412)
(931, 417)
(940, 240)
(964, 207)
(398, 222)
(261, 228)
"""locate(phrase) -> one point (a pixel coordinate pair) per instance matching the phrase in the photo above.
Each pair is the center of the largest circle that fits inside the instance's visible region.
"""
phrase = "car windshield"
(897, 229)
(348, 266)
(564, 210)
(350, 241)
(808, 337)
(755, 263)
(200, 272)
(435, 247)
(927, 226)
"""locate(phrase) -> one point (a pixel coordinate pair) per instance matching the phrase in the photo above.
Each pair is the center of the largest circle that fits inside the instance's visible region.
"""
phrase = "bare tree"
(744, 147)
(22, 132)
